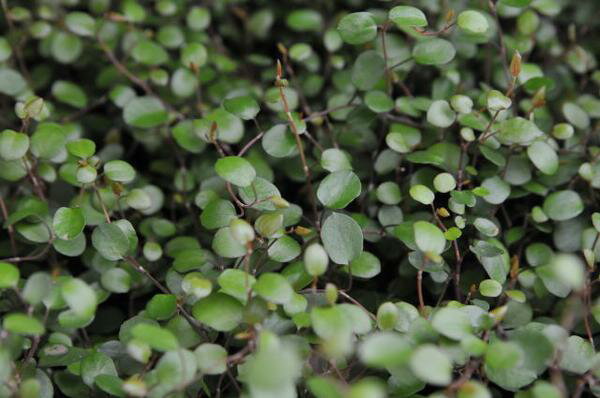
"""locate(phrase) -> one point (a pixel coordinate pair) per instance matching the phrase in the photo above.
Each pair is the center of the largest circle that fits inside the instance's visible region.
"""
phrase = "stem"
(294, 129)
(420, 291)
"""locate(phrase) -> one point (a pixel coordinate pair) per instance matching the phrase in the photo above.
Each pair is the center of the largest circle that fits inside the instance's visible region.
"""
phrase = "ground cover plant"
(280, 199)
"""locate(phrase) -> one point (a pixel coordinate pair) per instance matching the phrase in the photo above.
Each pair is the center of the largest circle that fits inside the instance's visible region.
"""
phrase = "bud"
(515, 65)
(242, 231)
(282, 50)
(443, 212)
(315, 260)
(331, 293)
(387, 316)
(279, 70)
(34, 107)
(539, 99)
(269, 225)
(302, 231)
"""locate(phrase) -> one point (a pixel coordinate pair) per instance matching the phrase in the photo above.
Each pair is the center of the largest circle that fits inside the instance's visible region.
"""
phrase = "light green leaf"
(428, 237)
(145, 112)
(13, 145)
(110, 241)
(68, 222)
(274, 288)
(235, 170)
(407, 17)
(338, 189)
(544, 157)
(472, 21)
(23, 324)
(357, 28)
(433, 52)
(156, 337)
(342, 238)
(431, 365)
(218, 311)
(563, 205)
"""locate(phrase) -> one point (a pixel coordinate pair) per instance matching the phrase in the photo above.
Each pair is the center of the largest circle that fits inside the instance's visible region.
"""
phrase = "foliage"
(280, 199)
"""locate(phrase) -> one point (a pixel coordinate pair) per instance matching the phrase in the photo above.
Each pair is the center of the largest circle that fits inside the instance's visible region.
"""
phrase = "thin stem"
(11, 230)
(420, 291)
(294, 129)
(388, 72)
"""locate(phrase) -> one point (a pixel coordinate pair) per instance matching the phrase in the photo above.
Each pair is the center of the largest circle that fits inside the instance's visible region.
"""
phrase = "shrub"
(281, 199)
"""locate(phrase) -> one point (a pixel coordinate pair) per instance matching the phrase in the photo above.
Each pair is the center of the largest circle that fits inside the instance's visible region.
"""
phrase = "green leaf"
(156, 337)
(338, 189)
(82, 148)
(110, 241)
(503, 355)
(433, 52)
(422, 194)
(384, 350)
(48, 140)
(235, 170)
(23, 324)
(498, 189)
(284, 249)
(9, 275)
(378, 101)
(543, 157)
(236, 283)
(367, 70)
(145, 112)
(407, 17)
(279, 142)
(96, 364)
(517, 130)
(161, 306)
(444, 182)
(472, 21)
(274, 288)
(218, 311)
(68, 222)
(490, 288)
(116, 280)
(119, 170)
(217, 214)
(429, 238)
(13, 145)
(79, 296)
(80, 23)
(148, 52)
(226, 245)
(452, 323)
(342, 238)
(69, 93)
(357, 28)
(245, 107)
(211, 359)
(563, 205)
(494, 258)
(578, 355)
(440, 114)
(431, 365)
(403, 138)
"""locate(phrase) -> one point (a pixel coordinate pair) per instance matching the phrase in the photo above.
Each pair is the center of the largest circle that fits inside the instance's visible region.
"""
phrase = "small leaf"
(9, 275)
(218, 311)
(156, 337)
(119, 170)
(490, 288)
(82, 148)
(338, 189)
(23, 324)
(431, 365)
(235, 170)
(244, 107)
(429, 238)
(342, 238)
(274, 288)
(422, 194)
(68, 222)
(110, 241)
(407, 17)
(433, 52)
(563, 205)
(544, 157)
(145, 112)
(13, 145)
(357, 28)
(472, 22)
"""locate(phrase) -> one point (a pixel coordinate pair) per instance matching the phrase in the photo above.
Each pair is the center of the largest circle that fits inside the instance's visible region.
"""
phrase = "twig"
(11, 230)
(294, 129)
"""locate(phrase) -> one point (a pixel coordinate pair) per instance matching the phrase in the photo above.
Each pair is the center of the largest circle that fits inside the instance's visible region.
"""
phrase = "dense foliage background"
(279, 199)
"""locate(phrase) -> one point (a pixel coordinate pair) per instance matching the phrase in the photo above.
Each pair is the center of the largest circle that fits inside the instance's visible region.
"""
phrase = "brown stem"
(11, 230)
(294, 129)
(420, 291)
(388, 72)
(141, 269)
